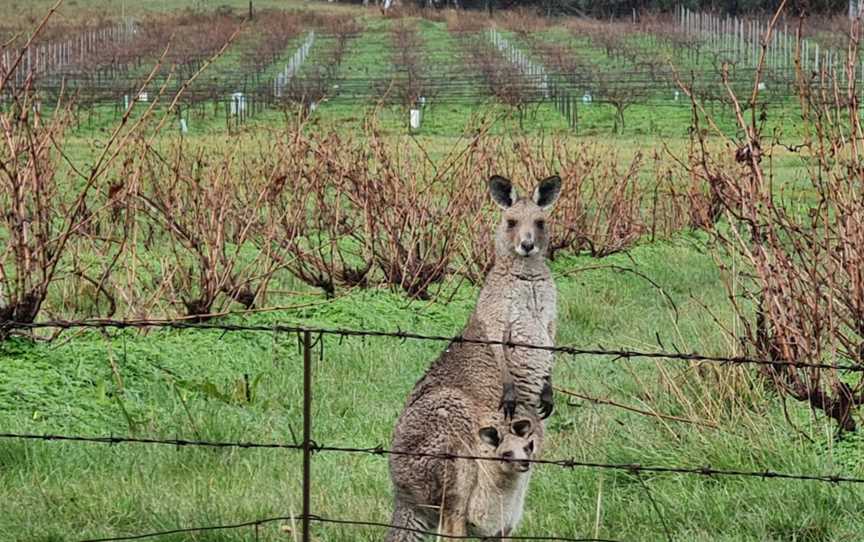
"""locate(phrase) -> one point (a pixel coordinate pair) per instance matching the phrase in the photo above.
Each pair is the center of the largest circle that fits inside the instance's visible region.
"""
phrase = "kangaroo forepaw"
(547, 401)
(508, 400)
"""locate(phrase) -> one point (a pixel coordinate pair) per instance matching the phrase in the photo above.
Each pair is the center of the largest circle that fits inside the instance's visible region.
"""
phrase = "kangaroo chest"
(525, 310)
(531, 312)
(495, 510)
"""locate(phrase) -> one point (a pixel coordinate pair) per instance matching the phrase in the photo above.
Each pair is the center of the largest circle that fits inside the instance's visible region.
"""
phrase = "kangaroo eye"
(507, 455)
(540, 224)
(511, 224)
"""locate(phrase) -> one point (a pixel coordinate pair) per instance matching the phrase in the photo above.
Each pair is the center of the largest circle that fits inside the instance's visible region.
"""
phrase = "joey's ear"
(502, 191)
(530, 447)
(547, 192)
(489, 435)
(521, 428)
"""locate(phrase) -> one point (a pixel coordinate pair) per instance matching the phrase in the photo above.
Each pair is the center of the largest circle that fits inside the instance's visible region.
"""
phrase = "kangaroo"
(461, 497)
(516, 304)
(469, 381)
(498, 500)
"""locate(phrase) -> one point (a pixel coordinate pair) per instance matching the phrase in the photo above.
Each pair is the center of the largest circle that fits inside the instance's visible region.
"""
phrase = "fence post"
(307, 430)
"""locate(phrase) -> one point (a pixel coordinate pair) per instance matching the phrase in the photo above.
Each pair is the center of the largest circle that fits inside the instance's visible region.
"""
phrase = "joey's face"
(515, 446)
(518, 452)
(523, 230)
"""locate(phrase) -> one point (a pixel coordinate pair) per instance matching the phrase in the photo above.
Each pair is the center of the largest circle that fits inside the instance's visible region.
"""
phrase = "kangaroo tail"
(406, 524)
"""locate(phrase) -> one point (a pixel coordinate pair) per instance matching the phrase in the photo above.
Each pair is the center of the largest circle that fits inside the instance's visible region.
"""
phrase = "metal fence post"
(307, 430)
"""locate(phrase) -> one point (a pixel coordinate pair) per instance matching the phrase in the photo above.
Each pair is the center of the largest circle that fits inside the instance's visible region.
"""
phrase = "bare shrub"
(411, 82)
(682, 198)
(502, 78)
(198, 36)
(323, 226)
(274, 29)
(42, 210)
(356, 212)
(40, 213)
(830, 31)
(606, 210)
(622, 86)
(408, 10)
(208, 207)
(458, 23)
(317, 83)
(417, 214)
(802, 301)
(62, 221)
(523, 21)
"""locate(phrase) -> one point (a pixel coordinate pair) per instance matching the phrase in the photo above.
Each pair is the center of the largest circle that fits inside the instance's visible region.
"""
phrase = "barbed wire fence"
(311, 338)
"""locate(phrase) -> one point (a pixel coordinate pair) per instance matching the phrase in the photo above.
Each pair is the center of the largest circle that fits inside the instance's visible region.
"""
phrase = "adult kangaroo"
(470, 382)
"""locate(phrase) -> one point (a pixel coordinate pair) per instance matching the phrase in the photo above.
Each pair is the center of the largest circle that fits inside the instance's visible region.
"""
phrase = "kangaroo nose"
(527, 246)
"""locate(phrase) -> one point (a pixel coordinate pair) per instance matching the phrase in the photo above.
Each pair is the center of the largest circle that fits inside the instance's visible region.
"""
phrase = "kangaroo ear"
(547, 192)
(502, 191)
(489, 435)
(522, 428)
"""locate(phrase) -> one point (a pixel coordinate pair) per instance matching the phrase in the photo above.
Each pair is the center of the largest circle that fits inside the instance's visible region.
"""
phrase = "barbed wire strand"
(405, 335)
(320, 519)
(632, 468)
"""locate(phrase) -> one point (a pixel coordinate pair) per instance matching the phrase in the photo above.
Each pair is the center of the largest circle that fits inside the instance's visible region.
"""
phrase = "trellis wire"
(743, 37)
(562, 88)
(535, 73)
(552, 87)
(293, 67)
(48, 58)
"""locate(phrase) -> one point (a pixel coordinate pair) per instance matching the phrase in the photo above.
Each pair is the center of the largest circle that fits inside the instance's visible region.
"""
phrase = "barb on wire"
(633, 468)
(404, 335)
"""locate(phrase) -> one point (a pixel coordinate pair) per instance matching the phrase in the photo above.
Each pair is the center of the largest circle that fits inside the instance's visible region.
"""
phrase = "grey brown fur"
(468, 384)
(460, 496)
(497, 499)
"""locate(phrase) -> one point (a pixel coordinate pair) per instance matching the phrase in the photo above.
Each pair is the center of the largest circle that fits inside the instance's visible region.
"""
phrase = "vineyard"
(222, 223)
(577, 76)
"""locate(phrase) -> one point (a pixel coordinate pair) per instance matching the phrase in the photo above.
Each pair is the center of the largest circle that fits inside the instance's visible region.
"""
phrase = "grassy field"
(191, 384)
(247, 386)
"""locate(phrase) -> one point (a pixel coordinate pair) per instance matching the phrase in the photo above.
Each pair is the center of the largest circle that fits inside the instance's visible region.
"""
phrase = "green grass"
(193, 385)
